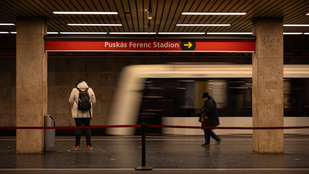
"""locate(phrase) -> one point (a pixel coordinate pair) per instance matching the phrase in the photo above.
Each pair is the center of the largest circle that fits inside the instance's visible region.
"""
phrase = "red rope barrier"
(154, 126)
(203, 127)
(73, 127)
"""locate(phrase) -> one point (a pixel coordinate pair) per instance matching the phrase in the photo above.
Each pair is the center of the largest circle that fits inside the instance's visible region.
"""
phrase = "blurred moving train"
(170, 94)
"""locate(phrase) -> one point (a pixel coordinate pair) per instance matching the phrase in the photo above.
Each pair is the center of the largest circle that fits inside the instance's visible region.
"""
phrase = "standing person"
(209, 117)
(82, 110)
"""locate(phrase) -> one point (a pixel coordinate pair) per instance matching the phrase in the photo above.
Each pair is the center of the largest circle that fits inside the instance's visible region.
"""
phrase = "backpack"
(84, 100)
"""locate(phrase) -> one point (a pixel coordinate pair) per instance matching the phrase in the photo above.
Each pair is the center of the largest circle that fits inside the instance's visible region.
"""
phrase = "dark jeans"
(209, 133)
(78, 132)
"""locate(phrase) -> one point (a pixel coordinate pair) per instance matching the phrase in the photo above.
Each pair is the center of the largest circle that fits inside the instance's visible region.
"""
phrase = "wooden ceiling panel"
(140, 11)
(184, 19)
(177, 10)
(158, 15)
(114, 19)
(166, 14)
(166, 17)
(126, 15)
(134, 15)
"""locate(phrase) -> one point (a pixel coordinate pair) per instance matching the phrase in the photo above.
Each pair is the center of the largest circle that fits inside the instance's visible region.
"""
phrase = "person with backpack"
(82, 97)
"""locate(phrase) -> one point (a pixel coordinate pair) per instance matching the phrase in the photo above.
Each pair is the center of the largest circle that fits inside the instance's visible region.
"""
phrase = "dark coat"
(209, 109)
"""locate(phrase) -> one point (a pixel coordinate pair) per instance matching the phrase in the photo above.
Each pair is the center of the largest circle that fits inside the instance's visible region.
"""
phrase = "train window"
(296, 97)
(182, 97)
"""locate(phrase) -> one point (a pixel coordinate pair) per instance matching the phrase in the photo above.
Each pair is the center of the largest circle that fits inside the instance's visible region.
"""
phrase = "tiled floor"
(166, 154)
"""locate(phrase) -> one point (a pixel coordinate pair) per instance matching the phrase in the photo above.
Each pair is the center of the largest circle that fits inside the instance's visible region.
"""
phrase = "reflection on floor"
(162, 152)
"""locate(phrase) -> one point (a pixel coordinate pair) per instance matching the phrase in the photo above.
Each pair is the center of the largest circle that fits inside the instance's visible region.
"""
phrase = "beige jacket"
(74, 100)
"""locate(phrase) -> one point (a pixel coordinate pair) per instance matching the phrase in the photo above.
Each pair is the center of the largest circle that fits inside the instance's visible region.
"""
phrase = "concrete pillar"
(267, 84)
(31, 83)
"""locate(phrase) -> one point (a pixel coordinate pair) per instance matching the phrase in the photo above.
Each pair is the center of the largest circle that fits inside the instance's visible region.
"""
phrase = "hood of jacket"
(82, 86)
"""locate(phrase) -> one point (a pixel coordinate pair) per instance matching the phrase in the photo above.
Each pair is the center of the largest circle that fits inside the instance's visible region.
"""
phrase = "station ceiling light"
(86, 12)
(132, 33)
(49, 32)
(52, 32)
(182, 33)
(292, 33)
(248, 33)
(96, 25)
(4, 32)
(203, 25)
(83, 32)
(7, 24)
(296, 25)
(231, 33)
(214, 13)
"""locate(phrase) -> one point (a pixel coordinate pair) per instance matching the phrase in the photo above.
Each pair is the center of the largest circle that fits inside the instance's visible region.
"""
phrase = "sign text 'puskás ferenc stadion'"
(155, 45)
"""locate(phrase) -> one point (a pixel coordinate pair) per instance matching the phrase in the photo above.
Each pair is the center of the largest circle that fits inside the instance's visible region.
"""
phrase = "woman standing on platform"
(209, 117)
(81, 114)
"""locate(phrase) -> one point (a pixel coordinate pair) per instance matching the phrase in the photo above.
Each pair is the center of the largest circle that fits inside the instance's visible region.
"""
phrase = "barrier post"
(143, 167)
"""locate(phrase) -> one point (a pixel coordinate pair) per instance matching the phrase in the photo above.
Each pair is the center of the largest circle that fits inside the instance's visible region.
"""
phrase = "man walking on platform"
(209, 117)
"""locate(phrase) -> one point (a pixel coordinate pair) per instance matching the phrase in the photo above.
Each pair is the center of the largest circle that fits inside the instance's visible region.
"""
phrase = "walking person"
(209, 117)
(82, 97)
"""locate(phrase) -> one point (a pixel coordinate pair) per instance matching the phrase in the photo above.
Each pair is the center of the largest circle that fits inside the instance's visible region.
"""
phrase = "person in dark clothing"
(209, 117)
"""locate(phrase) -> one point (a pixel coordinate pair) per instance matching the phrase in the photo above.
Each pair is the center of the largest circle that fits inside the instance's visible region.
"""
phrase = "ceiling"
(132, 14)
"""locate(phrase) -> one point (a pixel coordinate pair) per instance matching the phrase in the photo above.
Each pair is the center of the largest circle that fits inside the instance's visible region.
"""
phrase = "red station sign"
(157, 45)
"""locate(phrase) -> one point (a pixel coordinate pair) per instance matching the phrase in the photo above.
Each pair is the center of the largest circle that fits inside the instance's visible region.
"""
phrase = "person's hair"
(79, 81)
(205, 95)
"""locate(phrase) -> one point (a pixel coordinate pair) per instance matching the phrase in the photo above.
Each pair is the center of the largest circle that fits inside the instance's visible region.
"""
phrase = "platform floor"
(166, 154)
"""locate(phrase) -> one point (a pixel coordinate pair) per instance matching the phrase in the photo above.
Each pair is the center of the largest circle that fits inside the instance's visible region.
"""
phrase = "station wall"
(100, 72)
(7, 92)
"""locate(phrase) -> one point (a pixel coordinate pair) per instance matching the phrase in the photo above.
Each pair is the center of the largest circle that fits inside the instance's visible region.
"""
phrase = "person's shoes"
(89, 147)
(76, 147)
(205, 145)
(219, 141)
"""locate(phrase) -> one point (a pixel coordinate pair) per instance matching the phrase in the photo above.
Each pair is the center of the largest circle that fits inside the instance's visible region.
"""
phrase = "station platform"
(166, 154)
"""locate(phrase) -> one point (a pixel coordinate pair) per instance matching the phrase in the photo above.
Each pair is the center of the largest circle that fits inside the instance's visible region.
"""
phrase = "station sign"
(153, 45)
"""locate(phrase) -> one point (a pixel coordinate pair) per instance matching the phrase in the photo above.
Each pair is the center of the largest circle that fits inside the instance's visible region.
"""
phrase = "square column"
(31, 83)
(267, 84)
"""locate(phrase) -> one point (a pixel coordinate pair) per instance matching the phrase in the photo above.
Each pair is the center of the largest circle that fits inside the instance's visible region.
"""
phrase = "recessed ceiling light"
(292, 33)
(83, 32)
(307, 14)
(85, 12)
(4, 32)
(97, 25)
(203, 25)
(213, 13)
(296, 25)
(51, 32)
(249, 33)
(7, 24)
(306, 33)
(181, 33)
(132, 32)
(231, 33)
(13, 32)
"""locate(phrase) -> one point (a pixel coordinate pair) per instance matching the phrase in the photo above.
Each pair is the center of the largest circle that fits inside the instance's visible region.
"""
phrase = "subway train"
(170, 94)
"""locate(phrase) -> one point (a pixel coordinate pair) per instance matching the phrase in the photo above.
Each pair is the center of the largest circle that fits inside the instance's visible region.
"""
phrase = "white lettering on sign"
(139, 45)
(165, 45)
(115, 45)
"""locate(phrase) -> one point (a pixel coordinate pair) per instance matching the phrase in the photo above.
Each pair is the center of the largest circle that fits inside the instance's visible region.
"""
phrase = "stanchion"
(143, 167)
